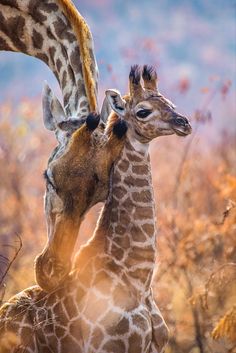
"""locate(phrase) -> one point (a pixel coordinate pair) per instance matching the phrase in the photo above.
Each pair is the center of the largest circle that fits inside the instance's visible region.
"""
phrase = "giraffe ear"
(53, 112)
(106, 110)
(117, 103)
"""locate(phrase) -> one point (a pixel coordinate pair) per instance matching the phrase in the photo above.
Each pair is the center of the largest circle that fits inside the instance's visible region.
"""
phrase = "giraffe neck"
(128, 217)
(54, 32)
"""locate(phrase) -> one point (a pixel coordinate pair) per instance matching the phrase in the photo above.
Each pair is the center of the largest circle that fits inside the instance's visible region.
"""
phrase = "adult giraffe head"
(78, 168)
(147, 113)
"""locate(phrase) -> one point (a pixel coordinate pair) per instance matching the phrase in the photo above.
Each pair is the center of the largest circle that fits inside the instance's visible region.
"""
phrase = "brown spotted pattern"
(42, 30)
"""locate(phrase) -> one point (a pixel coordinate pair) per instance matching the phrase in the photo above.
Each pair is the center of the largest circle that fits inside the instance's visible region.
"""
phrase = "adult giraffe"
(106, 304)
(54, 32)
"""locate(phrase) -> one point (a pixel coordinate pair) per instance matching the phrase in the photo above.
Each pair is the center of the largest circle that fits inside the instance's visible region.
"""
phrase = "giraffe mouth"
(181, 132)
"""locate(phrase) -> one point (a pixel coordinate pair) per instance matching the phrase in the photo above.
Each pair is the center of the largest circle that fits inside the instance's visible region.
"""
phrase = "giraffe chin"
(50, 273)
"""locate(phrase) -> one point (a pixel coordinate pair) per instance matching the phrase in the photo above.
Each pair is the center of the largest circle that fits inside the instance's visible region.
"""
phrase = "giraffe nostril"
(181, 121)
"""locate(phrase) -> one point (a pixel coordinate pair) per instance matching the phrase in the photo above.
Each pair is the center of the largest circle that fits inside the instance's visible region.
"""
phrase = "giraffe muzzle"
(181, 125)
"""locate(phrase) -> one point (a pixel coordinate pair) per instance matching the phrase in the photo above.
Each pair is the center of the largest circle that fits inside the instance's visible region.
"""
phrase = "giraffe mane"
(84, 36)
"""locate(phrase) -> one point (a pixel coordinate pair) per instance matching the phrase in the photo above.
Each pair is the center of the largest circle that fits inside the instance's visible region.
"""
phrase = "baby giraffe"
(106, 303)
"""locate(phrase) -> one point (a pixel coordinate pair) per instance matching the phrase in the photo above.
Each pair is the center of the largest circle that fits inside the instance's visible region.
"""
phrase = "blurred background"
(193, 46)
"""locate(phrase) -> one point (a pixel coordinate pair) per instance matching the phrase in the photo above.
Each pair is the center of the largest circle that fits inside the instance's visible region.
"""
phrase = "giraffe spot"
(37, 39)
(66, 98)
(140, 322)
(123, 165)
(114, 346)
(128, 204)
(120, 328)
(124, 218)
(75, 328)
(135, 343)
(67, 344)
(62, 30)
(123, 241)
(35, 11)
(120, 230)
(4, 45)
(157, 319)
(49, 7)
(122, 297)
(14, 25)
(60, 331)
(60, 312)
(103, 282)
(117, 252)
(52, 51)
(42, 57)
(143, 213)
(12, 3)
(137, 234)
(142, 253)
(116, 178)
(143, 196)
(75, 60)
(130, 180)
(110, 319)
(64, 80)
(140, 169)
(97, 337)
(49, 34)
(26, 331)
(58, 65)
(119, 192)
(134, 158)
(148, 228)
(140, 274)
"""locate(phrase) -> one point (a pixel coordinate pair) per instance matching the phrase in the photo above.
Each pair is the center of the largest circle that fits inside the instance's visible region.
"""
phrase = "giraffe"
(106, 304)
(55, 32)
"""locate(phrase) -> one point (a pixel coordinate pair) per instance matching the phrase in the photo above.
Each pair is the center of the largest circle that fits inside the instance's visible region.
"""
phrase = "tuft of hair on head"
(149, 76)
(149, 72)
(92, 121)
(119, 128)
(135, 74)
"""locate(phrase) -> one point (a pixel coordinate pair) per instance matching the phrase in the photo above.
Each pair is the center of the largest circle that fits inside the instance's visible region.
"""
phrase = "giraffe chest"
(98, 321)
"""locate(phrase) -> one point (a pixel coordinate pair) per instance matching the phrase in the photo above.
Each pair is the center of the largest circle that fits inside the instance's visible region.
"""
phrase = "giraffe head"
(77, 177)
(147, 113)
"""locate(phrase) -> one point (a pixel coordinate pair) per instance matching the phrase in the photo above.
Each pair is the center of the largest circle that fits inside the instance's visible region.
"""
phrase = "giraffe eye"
(143, 113)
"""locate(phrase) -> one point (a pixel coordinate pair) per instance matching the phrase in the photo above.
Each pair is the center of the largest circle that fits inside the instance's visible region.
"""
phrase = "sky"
(192, 44)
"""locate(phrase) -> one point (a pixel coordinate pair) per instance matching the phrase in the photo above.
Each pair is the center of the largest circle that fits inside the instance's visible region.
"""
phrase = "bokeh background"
(193, 46)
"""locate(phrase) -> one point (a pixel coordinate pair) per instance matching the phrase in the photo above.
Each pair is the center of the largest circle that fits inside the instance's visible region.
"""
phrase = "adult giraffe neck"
(128, 219)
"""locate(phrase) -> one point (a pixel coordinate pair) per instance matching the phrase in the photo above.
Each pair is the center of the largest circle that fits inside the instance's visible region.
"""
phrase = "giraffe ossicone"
(106, 303)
